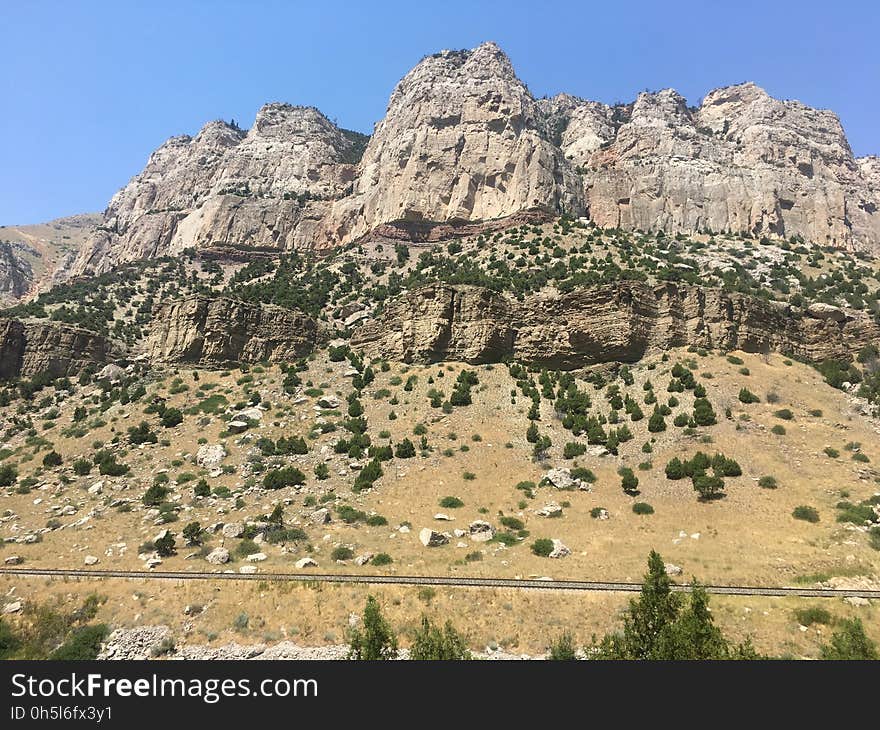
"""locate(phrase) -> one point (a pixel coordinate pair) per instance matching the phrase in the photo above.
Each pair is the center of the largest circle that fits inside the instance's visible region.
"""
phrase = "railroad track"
(423, 580)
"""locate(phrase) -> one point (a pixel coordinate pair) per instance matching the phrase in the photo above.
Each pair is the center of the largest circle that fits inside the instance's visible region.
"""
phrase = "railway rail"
(455, 581)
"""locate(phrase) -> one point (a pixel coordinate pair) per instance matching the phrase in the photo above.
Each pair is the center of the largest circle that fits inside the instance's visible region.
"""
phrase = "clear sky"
(88, 89)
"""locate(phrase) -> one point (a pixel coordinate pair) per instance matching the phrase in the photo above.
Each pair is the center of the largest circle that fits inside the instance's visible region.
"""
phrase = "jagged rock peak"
(464, 142)
(229, 187)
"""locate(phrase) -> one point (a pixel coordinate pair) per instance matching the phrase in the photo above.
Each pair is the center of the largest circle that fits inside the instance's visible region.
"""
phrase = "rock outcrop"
(34, 257)
(741, 161)
(31, 347)
(619, 322)
(16, 273)
(462, 140)
(217, 331)
(464, 143)
(224, 187)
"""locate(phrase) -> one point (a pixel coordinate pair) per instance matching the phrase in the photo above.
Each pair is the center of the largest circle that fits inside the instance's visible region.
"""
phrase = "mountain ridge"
(464, 141)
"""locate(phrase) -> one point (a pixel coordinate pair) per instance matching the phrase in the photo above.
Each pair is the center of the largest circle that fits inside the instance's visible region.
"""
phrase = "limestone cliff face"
(616, 322)
(464, 142)
(217, 331)
(742, 161)
(16, 273)
(31, 347)
(225, 187)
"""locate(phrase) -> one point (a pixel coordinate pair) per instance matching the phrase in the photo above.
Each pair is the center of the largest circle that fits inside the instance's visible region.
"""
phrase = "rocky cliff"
(617, 322)
(226, 187)
(741, 161)
(31, 347)
(217, 331)
(463, 141)
(16, 273)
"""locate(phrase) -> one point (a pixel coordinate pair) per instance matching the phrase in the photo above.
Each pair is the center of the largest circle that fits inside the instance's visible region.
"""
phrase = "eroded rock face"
(741, 161)
(464, 143)
(462, 140)
(31, 347)
(16, 273)
(216, 331)
(616, 322)
(228, 188)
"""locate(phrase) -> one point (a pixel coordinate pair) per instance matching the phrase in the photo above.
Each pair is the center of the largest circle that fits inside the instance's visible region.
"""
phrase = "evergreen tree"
(693, 635)
(849, 642)
(532, 433)
(433, 644)
(376, 640)
(647, 617)
(562, 649)
(405, 449)
(656, 422)
(192, 533)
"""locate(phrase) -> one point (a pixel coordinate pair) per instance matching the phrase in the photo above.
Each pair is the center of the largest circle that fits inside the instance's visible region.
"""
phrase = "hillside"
(34, 257)
(711, 397)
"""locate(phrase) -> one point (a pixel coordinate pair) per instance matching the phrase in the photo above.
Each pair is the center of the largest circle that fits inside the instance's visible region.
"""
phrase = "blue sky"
(89, 89)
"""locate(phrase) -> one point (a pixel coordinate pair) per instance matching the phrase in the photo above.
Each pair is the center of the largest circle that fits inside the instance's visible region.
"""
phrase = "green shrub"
(642, 508)
(542, 547)
(512, 523)
(83, 644)
(155, 495)
(767, 482)
(285, 535)
(813, 615)
(584, 474)
(451, 503)
(142, 434)
(171, 417)
(287, 476)
(342, 553)
(573, 449)
(165, 545)
(708, 487)
(350, 515)
(628, 480)
(808, 514)
(746, 396)
(405, 449)
(52, 459)
(562, 648)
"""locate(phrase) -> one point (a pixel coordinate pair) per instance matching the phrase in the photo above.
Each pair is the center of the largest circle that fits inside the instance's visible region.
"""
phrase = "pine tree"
(656, 422)
(849, 642)
(433, 644)
(532, 433)
(693, 635)
(192, 533)
(646, 618)
(562, 649)
(376, 640)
